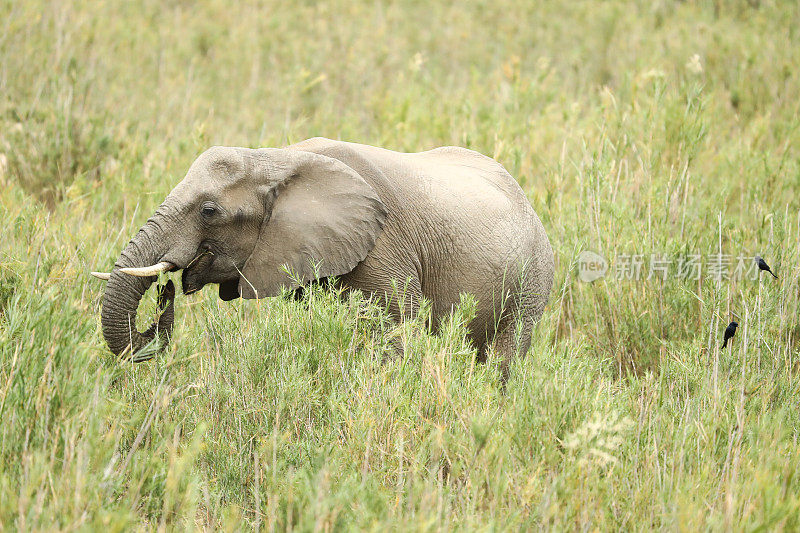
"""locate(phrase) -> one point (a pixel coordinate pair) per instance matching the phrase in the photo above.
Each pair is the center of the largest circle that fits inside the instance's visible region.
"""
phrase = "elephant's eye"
(208, 210)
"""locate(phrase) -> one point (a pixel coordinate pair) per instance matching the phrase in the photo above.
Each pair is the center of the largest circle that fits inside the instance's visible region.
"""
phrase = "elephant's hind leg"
(515, 328)
(512, 340)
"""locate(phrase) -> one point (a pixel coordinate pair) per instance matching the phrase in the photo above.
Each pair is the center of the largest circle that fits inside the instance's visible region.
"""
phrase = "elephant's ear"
(324, 220)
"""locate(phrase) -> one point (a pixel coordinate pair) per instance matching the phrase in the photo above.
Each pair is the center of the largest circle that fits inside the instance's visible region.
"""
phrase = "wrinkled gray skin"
(396, 226)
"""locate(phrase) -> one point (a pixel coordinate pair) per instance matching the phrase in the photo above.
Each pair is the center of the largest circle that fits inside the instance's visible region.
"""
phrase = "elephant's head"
(244, 219)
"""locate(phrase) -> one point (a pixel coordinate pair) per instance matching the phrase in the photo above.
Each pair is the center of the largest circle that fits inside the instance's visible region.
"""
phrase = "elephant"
(397, 226)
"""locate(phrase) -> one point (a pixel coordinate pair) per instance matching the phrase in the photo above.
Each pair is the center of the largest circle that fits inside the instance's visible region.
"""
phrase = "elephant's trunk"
(123, 293)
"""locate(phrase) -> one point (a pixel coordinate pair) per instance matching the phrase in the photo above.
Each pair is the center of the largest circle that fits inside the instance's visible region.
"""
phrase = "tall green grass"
(635, 128)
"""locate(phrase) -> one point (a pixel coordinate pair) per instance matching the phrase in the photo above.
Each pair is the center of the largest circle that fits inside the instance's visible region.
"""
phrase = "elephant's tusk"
(101, 275)
(144, 272)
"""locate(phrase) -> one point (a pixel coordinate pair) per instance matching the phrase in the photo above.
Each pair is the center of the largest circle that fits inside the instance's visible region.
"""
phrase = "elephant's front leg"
(402, 302)
(401, 299)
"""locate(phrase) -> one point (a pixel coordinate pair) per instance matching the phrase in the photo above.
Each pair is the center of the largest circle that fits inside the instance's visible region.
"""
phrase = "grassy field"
(667, 128)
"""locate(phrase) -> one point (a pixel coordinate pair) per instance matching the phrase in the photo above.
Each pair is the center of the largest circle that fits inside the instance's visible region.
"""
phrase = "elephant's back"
(465, 171)
(453, 175)
(475, 197)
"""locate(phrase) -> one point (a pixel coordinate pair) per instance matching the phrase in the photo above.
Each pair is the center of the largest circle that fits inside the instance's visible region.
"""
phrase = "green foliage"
(635, 128)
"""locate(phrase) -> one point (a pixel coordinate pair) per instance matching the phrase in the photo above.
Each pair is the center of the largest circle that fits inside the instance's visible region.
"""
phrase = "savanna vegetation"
(636, 128)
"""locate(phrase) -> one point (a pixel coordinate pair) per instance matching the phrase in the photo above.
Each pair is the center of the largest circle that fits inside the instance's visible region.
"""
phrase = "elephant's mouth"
(192, 277)
(201, 271)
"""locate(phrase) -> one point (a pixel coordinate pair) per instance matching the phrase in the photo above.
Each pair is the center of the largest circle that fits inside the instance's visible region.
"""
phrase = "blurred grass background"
(634, 128)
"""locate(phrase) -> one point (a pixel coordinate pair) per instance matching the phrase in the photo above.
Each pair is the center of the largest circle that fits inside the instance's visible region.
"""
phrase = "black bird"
(730, 331)
(762, 265)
